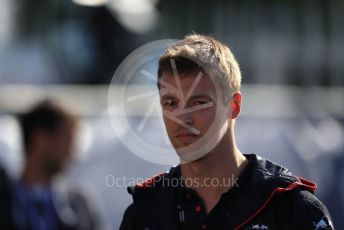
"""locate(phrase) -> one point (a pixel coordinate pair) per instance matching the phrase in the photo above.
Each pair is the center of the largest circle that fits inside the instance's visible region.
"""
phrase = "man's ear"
(236, 105)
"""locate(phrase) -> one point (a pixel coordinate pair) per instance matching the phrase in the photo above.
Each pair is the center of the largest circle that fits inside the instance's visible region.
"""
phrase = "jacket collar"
(263, 180)
(262, 173)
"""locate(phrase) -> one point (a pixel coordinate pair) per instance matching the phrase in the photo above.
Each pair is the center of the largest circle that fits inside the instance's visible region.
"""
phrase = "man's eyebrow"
(198, 96)
(166, 97)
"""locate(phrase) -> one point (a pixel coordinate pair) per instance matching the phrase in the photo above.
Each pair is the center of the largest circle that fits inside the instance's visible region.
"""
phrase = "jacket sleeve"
(309, 212)
(129, 218)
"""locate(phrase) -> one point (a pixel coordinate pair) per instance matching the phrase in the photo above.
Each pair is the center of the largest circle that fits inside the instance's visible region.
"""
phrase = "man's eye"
(169, 103)
(199, 102)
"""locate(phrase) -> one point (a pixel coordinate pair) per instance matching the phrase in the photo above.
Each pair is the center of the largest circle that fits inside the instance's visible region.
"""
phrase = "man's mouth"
(186, 136)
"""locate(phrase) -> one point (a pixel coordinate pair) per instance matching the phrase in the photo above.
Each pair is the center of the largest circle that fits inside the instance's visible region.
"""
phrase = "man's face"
(58, 148)
(189, 107)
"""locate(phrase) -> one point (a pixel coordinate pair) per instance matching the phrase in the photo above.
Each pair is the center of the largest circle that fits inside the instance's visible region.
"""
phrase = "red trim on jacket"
(303, 182)
(150, 182)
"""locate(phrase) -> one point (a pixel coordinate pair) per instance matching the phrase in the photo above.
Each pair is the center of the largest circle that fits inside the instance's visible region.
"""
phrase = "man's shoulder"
(160, 183)
(299, 198)
(150, 195)
(302, 209)
(268, 174)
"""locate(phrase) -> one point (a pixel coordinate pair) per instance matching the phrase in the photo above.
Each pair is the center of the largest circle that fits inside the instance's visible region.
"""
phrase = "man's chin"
(53, 169)
(184, 144)
(189, 153)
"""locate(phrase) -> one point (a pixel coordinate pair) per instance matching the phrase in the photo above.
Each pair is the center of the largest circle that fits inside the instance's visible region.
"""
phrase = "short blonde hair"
(198, 53)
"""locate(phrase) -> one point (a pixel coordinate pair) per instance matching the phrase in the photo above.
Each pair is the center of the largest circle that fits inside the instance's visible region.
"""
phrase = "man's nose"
(186, 117)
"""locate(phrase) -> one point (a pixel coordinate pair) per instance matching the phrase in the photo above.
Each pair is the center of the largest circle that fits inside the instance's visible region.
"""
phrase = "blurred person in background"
(34, 202)
(218, 188)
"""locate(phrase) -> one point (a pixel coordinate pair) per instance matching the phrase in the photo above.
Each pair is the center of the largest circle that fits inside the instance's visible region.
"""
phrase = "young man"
(218, 186)
(33, 202)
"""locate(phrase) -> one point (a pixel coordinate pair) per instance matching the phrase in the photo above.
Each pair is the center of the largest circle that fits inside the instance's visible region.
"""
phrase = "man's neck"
(33, 174)
(224, 163)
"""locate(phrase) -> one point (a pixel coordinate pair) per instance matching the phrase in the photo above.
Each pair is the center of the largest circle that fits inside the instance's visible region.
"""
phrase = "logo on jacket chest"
(323, 223)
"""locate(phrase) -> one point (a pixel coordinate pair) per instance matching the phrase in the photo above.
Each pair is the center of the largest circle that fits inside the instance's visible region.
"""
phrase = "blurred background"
(292, 60)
